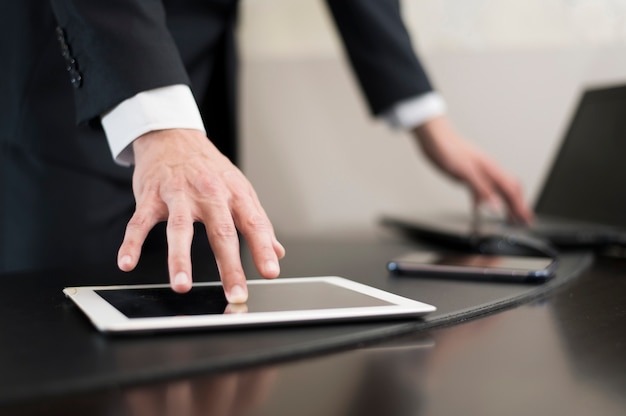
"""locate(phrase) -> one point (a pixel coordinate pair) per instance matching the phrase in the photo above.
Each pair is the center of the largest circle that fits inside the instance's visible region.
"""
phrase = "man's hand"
(456, 157)
(181, 177)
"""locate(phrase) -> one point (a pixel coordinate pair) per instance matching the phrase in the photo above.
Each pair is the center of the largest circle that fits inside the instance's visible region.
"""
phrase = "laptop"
(582, 202)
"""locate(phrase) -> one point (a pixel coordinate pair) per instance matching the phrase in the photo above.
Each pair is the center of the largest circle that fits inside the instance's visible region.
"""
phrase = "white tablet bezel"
(106, 318)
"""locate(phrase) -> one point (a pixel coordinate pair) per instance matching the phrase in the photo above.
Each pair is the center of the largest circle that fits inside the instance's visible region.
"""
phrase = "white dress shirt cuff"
(415, 111)
(161, 108)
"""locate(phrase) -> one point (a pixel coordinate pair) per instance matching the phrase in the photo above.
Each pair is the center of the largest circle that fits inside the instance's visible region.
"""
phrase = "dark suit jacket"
(63, 199)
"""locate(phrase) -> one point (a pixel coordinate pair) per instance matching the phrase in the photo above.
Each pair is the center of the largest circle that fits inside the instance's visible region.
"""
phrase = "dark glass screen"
(210, 300)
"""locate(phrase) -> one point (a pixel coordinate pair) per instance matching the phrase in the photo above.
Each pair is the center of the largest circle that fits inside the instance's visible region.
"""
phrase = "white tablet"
(133, 308)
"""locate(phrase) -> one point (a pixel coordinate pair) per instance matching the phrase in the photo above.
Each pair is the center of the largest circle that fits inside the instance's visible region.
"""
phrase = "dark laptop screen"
(587, 181)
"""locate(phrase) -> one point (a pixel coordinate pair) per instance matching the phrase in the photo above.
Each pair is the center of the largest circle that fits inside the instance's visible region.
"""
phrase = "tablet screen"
(210, 300)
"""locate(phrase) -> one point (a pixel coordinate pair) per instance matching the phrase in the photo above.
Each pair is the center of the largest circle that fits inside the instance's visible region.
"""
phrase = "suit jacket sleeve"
(380, 51)
(114, 49)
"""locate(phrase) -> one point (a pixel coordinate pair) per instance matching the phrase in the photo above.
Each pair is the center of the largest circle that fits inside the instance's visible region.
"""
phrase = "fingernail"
(125, 261)
(181, 279)
(237, 295)
(272, 267)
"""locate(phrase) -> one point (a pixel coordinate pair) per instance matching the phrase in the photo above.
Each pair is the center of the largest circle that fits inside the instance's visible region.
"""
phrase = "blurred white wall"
(510, 70)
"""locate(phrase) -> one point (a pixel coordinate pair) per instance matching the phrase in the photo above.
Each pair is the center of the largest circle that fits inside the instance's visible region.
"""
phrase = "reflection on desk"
(560, 353)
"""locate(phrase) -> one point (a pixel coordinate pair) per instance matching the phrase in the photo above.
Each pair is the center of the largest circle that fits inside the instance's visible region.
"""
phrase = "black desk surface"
(489, 349)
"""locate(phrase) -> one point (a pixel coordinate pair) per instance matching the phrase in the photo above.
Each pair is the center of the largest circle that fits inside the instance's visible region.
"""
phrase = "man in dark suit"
(160, 77)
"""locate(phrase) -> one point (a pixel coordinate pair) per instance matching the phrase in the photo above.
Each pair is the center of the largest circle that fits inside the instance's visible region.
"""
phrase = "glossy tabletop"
(489, 349)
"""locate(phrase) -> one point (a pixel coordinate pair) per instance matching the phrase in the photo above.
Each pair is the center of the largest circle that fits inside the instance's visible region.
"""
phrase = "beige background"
(510, 70)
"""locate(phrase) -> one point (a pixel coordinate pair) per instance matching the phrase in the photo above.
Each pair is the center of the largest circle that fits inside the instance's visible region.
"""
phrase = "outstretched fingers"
(181, 177)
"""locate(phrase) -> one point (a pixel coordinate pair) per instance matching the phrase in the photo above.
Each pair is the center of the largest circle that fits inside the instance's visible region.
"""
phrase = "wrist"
(167, 141)
(431, 129)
